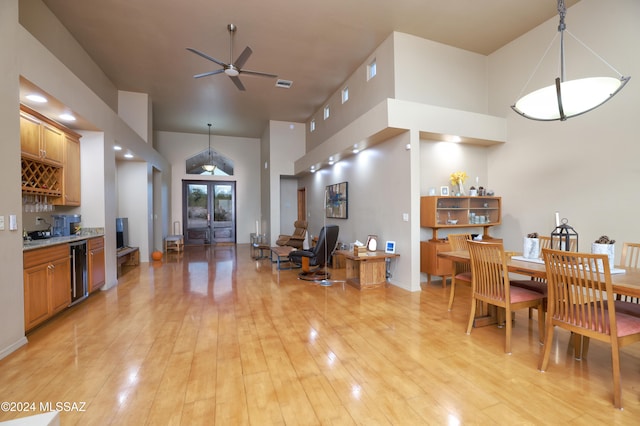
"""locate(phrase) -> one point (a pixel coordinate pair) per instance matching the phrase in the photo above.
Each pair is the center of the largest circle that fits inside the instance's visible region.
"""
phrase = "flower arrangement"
(458, 178)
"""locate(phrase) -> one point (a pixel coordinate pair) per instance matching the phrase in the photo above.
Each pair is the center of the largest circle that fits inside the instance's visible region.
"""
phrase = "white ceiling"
(141, 46)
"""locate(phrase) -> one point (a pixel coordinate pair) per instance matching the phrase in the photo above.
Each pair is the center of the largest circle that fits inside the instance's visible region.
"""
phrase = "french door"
(209, 209)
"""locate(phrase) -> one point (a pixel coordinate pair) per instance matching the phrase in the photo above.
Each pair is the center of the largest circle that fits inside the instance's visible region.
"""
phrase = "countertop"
(36, 244)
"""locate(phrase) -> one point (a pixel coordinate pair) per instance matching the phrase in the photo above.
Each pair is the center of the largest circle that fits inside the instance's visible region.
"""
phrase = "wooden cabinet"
(47, 283)
(50, 158)
(439, 212)
(39, 139)
(96, 265)
(70, 173)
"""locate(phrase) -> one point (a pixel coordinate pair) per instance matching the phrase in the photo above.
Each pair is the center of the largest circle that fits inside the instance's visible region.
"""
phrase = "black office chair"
(318, 256)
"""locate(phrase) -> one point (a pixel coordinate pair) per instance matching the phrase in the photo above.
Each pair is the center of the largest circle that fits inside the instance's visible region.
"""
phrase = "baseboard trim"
(11, 348)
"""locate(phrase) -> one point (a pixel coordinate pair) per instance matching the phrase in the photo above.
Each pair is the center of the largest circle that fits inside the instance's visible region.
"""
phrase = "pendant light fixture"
(566, 99)
(209, 166)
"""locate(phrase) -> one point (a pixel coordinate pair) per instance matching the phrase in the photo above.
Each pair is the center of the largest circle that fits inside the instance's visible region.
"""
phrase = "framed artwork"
(444, 191)
(336, 201)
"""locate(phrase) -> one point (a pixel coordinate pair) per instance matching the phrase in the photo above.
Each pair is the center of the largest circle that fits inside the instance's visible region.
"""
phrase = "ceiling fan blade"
(243, 57)
(237, 82)
(205, 74)
(204, 55)
(258, 73)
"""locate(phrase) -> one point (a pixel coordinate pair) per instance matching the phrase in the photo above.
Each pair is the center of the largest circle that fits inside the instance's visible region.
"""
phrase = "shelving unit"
(439, 212)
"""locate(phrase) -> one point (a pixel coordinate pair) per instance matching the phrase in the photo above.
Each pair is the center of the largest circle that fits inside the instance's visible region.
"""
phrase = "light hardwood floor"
(213, 336)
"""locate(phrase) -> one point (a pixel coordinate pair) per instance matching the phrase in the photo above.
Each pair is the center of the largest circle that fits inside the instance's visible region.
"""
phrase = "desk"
(627, 283)
(366, 272)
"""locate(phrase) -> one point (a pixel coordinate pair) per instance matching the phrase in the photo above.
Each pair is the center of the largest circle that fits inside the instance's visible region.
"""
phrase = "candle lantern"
(562, 235)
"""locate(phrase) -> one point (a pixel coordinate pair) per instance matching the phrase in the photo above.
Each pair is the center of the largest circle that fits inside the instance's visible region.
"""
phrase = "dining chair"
(540, 284)
(490, 284)
(580, 300)
(461, 270)
(630, 258)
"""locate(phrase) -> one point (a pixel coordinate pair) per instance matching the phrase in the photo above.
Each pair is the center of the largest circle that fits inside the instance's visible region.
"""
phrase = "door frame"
(207, 235)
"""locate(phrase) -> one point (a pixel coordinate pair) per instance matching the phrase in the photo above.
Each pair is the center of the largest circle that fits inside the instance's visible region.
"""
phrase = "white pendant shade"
(568, 98)
(576, 97)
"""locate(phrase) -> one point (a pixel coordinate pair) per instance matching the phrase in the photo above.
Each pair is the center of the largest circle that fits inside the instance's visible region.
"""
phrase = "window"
(371, 70)
(312, 126)
(345, 94)
(326, 112)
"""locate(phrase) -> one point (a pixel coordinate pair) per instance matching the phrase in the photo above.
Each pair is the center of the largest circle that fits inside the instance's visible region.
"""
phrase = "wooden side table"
(366, 272)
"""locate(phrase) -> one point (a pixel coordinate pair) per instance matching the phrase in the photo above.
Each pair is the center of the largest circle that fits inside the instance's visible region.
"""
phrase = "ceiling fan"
(233, 70)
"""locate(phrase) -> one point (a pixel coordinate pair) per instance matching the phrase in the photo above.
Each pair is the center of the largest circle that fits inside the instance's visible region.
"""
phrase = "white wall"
(135, 110)
(436, 74)
(379, 193)
(286, 144)
(288, 205)
(586, 167)
(245, 153)
(133, 203)
(11, 289)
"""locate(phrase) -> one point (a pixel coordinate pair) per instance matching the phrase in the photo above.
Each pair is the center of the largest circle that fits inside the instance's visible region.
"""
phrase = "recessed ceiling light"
(67, 117)
(128, 155)
(34, 97)
(117, 148)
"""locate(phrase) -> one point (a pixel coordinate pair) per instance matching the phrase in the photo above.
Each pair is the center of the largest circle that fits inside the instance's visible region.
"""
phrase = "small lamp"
(372, 242)
(562, 235)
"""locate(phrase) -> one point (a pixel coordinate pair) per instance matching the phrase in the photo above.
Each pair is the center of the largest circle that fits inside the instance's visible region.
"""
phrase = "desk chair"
(584, 305)
(318, 256)
(490, 284)
(175, 241)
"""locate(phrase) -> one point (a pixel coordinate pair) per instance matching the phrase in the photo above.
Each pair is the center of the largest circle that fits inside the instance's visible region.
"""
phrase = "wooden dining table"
(626, 283)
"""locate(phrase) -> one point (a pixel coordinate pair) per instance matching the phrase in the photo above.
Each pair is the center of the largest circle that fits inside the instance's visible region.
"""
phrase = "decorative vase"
(460, 187)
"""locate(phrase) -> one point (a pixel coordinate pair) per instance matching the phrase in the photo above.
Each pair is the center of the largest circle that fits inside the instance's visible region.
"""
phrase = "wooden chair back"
(545, 242)
(580, 299)
(489, 272)
(459, 241)
(630, 257)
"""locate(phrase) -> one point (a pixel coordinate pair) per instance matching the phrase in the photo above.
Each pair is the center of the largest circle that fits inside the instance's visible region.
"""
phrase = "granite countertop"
(48, 242)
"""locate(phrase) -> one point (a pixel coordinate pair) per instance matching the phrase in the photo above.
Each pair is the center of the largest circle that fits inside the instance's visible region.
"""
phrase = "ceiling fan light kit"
(566, 99)
(231, 69)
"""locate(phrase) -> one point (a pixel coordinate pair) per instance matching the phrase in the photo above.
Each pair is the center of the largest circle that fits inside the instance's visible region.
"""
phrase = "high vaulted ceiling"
(141, 46)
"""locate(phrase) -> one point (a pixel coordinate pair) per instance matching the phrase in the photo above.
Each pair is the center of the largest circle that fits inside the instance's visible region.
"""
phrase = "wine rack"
(40, 178)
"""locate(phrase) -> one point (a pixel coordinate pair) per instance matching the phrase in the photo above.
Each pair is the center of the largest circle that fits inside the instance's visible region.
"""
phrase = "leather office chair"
(318, 256)
(297, 238)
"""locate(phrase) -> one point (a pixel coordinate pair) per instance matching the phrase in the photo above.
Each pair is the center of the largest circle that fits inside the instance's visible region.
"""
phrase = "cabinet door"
(36, 295)
(96, 264)
(52, 143)
(30, 136)
(71, 172)
(60, 284)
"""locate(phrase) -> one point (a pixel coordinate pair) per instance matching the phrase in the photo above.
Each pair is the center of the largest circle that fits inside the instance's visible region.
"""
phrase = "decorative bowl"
(452, 221)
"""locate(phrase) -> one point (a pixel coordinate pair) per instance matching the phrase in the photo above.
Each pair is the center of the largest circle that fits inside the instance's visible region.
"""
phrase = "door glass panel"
(197, 213)
(223, 205)
(209, 209)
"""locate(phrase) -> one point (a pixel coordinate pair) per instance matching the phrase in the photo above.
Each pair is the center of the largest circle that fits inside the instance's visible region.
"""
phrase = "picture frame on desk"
(444, 191)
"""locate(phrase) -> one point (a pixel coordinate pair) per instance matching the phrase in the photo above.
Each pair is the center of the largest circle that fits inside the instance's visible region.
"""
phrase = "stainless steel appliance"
(65, 224)
(78, 254)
